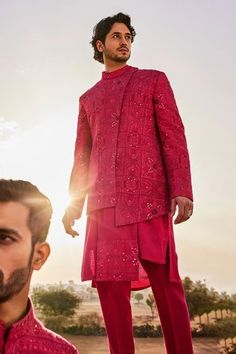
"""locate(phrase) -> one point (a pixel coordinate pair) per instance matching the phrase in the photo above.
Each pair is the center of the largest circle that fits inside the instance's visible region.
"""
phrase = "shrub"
(147, 330)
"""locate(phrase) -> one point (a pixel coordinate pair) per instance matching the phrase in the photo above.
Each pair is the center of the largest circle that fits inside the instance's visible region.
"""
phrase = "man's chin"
(122, 58)
(6, 297)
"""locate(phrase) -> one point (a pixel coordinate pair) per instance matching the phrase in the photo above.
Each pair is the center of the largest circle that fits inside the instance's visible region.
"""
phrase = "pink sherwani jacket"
(29, 336)
(141, 167)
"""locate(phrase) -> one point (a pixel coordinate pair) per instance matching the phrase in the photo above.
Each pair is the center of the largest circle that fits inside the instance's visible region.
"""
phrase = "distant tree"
(198, 297)
(150, 301)
(56, 323)
(226, 329)
(215, 298)
(210, 299)
(188, 285)
(138, 297)
(233, 303)
(91, 320)
(223, 303)
(54, 302)
(92, 293)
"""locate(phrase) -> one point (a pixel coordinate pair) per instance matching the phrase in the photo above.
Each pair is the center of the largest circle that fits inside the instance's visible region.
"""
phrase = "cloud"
(7, 128)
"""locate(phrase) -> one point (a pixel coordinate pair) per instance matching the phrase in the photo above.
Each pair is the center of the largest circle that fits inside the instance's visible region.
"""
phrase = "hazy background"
(46, 64)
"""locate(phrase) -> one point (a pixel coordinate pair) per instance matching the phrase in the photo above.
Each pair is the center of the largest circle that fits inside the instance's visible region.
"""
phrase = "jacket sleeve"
(173, 141)
(78, 186)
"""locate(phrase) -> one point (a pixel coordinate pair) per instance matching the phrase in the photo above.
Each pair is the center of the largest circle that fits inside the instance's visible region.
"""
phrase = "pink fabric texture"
(113, 253)
(115, 303)
(172, 309)
(29, 336)
(130, 150)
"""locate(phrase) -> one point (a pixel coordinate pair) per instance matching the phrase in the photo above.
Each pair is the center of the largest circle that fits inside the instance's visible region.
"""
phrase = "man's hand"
(185, 208)
(68, 221)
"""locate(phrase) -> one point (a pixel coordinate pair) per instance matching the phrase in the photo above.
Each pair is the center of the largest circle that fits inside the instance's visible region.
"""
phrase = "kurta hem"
(113, 253)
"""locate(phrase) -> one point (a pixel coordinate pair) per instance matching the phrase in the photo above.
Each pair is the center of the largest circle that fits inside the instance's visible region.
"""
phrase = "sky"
(47, 62)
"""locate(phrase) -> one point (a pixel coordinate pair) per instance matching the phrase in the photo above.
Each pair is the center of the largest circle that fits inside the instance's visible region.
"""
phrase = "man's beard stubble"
(16, 281)
(116, 58)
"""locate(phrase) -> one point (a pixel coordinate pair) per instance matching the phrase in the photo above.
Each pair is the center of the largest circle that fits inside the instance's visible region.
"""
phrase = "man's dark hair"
(103, 28)
(40, 208)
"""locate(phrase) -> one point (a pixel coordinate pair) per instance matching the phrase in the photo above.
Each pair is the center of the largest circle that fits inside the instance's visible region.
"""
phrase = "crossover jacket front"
(131, 150)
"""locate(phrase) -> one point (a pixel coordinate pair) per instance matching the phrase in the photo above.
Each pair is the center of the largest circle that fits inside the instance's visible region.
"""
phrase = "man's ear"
(41, 253)
(100, 46)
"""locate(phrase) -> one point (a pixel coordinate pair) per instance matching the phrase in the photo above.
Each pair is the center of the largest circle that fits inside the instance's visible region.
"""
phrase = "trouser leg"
(172, 308)
(115, 303)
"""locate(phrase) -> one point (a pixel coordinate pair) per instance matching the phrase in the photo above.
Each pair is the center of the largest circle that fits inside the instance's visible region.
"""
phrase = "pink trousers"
(172, 308)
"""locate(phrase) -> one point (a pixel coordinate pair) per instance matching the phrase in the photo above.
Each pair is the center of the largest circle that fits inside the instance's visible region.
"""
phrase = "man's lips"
(123, 50)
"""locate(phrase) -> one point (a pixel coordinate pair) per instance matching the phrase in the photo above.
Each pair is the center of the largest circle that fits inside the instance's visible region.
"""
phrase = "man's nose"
(123, 40)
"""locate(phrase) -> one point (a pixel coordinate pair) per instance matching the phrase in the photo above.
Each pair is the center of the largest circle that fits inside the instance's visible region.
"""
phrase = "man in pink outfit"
(132, 161)
(25, 215)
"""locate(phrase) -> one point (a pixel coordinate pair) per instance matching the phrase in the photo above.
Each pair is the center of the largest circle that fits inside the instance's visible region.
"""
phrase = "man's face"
(15, 249)
(117, 46)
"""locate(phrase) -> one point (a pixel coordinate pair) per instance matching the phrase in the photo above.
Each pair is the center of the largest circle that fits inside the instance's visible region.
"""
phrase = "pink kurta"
(112, 253)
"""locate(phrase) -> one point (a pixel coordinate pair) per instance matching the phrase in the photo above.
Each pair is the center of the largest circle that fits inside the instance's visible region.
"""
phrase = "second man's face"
(15, 249)
(117, 45)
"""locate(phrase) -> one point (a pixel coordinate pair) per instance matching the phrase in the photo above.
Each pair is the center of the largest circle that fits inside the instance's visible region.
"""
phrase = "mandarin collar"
(116, 73)
(26, 320)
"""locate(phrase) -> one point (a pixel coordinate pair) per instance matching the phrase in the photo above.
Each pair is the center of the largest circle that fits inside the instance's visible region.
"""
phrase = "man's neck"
(13, 310)
(112, 66)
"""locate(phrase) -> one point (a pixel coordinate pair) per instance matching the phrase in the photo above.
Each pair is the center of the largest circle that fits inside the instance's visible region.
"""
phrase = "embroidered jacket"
(29, 336)
(131, 150)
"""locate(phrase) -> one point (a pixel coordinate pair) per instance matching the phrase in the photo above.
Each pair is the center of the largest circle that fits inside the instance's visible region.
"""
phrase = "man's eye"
(5, 238)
